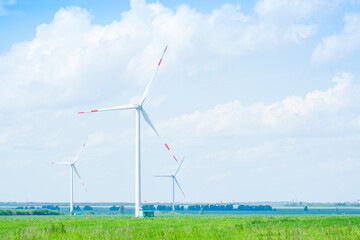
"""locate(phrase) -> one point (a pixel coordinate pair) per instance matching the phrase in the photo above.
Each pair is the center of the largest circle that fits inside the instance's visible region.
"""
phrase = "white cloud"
(337, 46)
(298, 32)
(294, 15)
(293, 114)
(73, 62)
(71, 58)
(290, 9)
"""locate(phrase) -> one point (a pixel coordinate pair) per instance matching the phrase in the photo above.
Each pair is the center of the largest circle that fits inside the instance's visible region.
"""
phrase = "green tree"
(306, 209)
(90, 212)
(121, 209)
(88, 208)
(201, 211)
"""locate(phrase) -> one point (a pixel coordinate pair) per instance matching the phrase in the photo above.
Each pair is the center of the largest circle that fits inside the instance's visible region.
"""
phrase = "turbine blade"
(77, 173)
(179, 187)
(179, 166)
(162, 176)
(82, 147)
(62, 163)
(147, 119)
(122, 107)
(146, 93)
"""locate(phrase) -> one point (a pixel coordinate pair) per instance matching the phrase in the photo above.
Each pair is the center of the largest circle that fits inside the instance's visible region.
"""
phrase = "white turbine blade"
(77, 173)
(61, 163)
(146, 93)
(179, 187)
(122, 107)
(179, 166)
(162, 176)
(82, 147)
(147, 119)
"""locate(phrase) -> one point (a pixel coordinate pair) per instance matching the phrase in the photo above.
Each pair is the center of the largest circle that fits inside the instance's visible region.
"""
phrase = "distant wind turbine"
(72, 168)
(173, 183)
(139, 108)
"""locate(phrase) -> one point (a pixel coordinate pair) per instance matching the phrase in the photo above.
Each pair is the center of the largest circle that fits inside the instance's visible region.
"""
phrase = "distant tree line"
(88, 208)
(120, 209)
(51, 207)
(163, 207)
(114, 208)
(303, 204)
(254, 208)
(230, 207)
(210, 207)
(77, 208)
(31, 207)
(28, 212)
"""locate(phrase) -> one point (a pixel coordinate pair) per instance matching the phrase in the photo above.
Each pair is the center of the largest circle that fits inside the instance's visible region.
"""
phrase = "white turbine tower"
(139, 109)
(174, 180)
(72, 169)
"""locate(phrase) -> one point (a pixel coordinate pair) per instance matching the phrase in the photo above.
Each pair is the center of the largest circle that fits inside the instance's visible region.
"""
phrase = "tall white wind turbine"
(174, 180)
(139, 109)
(72, 169)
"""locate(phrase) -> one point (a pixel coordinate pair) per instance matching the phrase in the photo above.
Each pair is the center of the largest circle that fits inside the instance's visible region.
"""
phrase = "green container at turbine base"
(146, 213)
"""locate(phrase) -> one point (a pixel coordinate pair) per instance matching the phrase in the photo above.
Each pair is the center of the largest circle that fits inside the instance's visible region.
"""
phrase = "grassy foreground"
(180, 227)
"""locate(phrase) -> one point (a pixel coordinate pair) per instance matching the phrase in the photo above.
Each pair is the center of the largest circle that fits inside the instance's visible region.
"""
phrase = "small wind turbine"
(139, 109)
(173, 183)
(72, 168)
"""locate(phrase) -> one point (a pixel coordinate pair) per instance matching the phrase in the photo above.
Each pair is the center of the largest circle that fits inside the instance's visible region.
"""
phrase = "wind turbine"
(72, 169)
(173, 183)
(139, 109)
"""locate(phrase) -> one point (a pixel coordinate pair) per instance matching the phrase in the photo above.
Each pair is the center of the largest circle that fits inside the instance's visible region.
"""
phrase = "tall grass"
(180, 227)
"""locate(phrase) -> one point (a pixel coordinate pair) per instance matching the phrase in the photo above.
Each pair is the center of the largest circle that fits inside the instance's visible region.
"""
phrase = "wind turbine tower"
(174, 180)
(139, 110)
(72, 169)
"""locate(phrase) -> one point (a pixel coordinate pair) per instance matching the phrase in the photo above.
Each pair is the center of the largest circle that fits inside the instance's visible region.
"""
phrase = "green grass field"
(180, 227)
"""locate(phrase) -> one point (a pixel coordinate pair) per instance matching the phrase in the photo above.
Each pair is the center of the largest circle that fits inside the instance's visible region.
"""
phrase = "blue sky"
(22, 17)
(261, 97)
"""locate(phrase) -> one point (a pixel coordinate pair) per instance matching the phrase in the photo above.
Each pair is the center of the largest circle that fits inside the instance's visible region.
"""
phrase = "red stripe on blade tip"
(175, 158)
(167, 146)
(94, 110)
(165, 48)
(80, 112)
(160, 61)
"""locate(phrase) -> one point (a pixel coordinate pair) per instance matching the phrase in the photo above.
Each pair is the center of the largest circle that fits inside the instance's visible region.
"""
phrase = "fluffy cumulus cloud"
(308, 139)
(73, 62)
(295, 14)
(316, 110)
(337, 46)
(70, 57)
